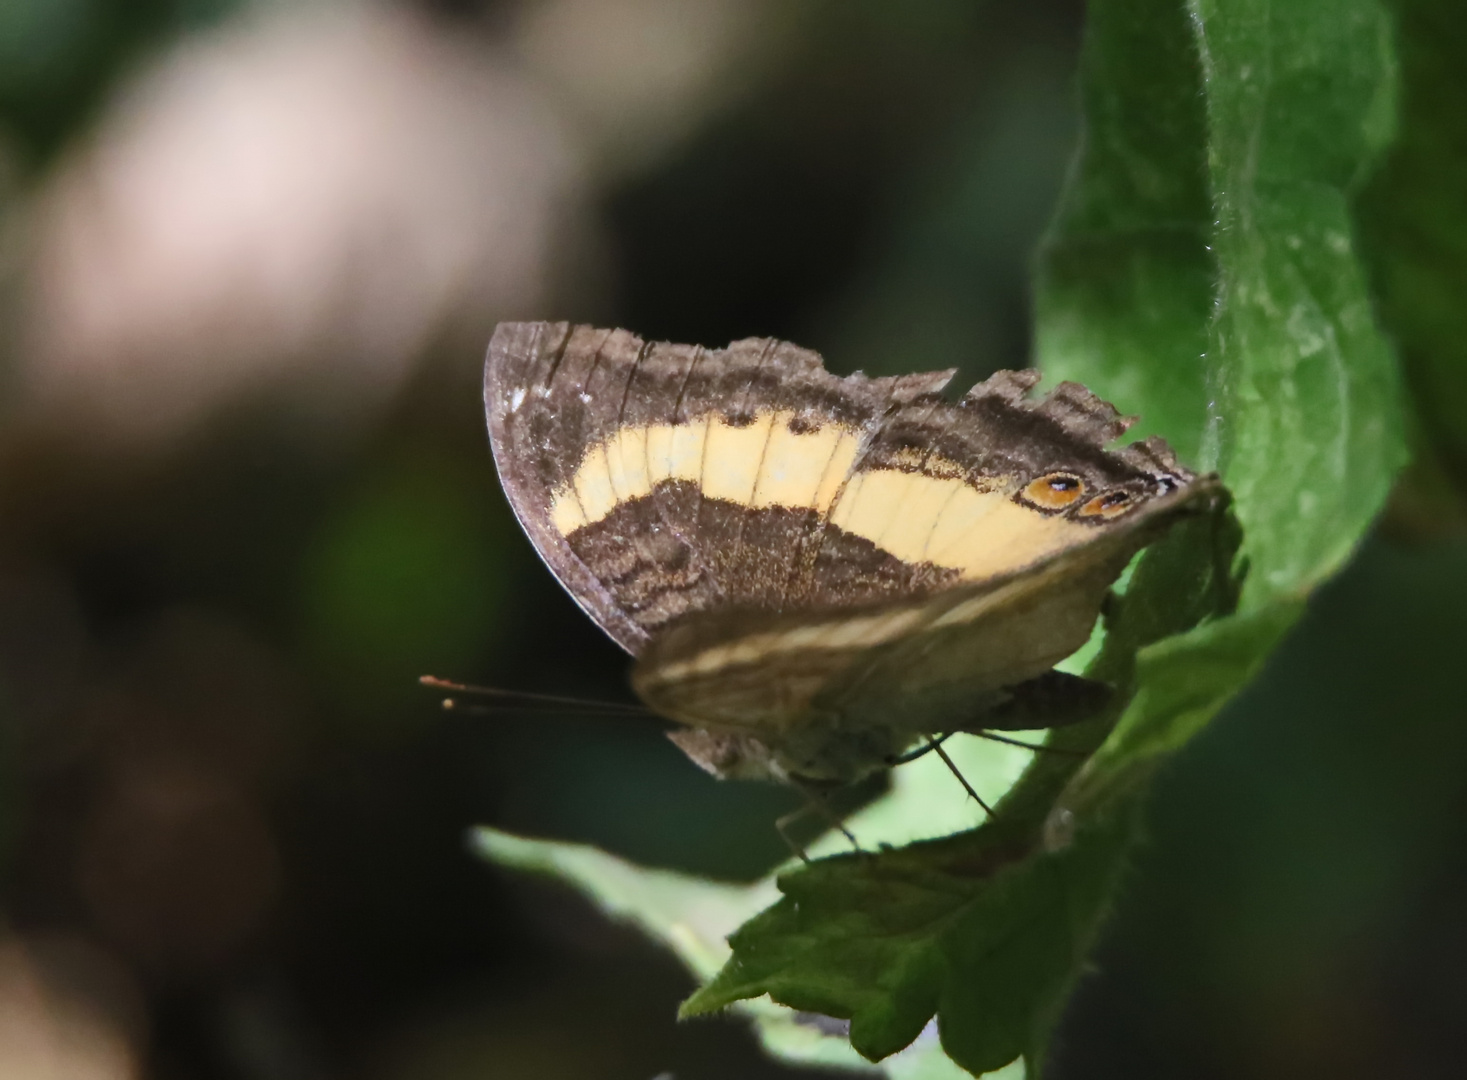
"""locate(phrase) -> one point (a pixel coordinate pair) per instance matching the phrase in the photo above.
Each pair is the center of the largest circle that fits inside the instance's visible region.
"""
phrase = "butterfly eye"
(1054, 491)
(1112, 504)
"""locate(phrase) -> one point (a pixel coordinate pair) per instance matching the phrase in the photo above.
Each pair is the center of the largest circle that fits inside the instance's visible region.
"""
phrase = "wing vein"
(737, 547)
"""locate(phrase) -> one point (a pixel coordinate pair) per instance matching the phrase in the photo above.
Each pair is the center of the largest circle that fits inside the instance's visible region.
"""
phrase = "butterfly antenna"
(524, 699)
(936, 745)
(928, 747)
(461, 707)
(1038, 748)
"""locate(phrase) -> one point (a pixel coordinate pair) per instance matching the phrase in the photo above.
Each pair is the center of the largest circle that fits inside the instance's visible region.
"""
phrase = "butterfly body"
(812, 571)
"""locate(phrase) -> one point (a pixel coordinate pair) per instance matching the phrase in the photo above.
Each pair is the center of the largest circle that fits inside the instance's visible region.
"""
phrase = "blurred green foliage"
(1416, 234)
(403, 577)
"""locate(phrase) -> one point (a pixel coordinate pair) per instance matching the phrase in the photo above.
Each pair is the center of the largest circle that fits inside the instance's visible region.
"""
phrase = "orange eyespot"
(1054, 491)
(1110, 504)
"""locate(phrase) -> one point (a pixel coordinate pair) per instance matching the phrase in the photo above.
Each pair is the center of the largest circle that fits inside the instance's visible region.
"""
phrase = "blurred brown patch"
(305, 200)
(176, 864)
(67, 1012)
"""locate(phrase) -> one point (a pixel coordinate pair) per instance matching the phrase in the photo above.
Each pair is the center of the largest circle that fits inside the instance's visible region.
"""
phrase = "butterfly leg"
(921, 751)
(781, 826)
(815, 800)
(936, 745)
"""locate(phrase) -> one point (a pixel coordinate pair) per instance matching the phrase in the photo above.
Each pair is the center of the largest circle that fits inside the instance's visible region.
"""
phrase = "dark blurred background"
(251, 254)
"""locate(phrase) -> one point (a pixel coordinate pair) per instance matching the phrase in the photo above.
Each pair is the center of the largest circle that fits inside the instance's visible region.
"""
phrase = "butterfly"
(814, 573)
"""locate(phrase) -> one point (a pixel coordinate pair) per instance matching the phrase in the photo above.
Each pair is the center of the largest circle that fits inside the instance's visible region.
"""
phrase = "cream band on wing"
(763, 463)
(943, 519)
(842, 635)
(838, 635)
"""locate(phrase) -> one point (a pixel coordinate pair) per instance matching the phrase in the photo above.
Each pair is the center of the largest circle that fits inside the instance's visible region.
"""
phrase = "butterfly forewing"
(658, 480)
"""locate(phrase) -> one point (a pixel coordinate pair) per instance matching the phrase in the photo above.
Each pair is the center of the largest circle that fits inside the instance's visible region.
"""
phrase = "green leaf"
(1201, 271)
(949, 926)
(985, 928)
(1306, 423)
(1266, 348)
(692, 917)
(1125, 276)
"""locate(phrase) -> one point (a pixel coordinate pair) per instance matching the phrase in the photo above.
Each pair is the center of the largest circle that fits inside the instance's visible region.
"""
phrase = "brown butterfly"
(814, 573)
